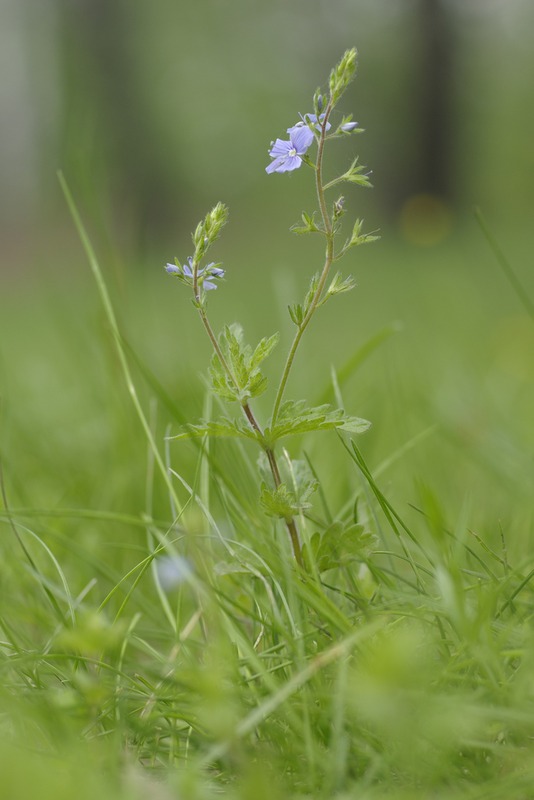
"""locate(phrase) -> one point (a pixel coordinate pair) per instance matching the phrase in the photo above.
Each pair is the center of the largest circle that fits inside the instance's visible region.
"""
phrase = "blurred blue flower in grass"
(172, 571)
(203, 273)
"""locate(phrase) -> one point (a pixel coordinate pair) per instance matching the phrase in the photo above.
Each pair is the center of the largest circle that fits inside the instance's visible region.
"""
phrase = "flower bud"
(338, 206)
(209, 229)
(318, 102)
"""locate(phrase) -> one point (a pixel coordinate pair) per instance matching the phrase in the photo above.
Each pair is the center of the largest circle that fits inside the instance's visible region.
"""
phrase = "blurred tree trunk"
(100, 63)
(434, 173)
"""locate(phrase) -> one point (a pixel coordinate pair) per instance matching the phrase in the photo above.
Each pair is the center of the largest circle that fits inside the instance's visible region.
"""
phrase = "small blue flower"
(185, 272)
(211, 271)
(348, 127)
(304, 129)
(318, 122)
(305, 133)
(310, 119)
(287, 155)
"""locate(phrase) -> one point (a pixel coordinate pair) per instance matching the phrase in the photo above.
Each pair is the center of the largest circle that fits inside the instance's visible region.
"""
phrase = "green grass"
(405, 672)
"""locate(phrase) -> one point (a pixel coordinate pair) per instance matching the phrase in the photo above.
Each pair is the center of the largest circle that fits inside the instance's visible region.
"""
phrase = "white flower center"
(292, 152)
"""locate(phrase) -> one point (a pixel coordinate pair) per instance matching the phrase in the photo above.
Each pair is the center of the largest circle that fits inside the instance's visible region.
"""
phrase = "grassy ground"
(403, 671)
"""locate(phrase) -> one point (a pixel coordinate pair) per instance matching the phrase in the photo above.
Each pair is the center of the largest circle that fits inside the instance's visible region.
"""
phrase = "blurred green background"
(154, 112)
(154, 109)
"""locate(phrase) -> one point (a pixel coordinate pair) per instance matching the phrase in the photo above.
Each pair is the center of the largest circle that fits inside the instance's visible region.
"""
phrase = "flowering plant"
(235, 368)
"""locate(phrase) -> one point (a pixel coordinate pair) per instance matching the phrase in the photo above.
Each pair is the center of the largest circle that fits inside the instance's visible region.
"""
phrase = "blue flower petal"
(187, 268)
(280, 148)
(290, 163)
(301, 136)
(172, 269)
(317, 122)
(301, 139)
(275, 165)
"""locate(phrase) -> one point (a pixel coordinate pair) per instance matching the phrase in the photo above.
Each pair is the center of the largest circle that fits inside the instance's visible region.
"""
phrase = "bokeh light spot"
(425, 220)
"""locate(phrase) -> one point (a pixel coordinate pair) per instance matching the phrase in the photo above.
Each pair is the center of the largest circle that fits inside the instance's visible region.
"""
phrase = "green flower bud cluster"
(208, 231)
(342, 74)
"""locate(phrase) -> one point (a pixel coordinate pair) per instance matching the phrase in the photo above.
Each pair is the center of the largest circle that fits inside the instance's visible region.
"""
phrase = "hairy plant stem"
(329, 257)
(249, 414)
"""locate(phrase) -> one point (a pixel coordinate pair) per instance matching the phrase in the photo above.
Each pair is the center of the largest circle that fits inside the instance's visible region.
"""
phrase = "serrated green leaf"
(263, 350)
(278, 502)
(299, 229)
(357, 238)
(257, 384)
(281, 502)
(354, 425)
(295, 473)
(309, 225)
(293, 494)
(220, 381)
(222, 427)
(366, 238)
(339, 545)
(296, 313)
(340, 284)
(354, 174)
(246, 380)
(237, 351)
(310, 294)
(357, 228)
(264, 469)
(359, 180)
(303, 480)
(296, 417)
